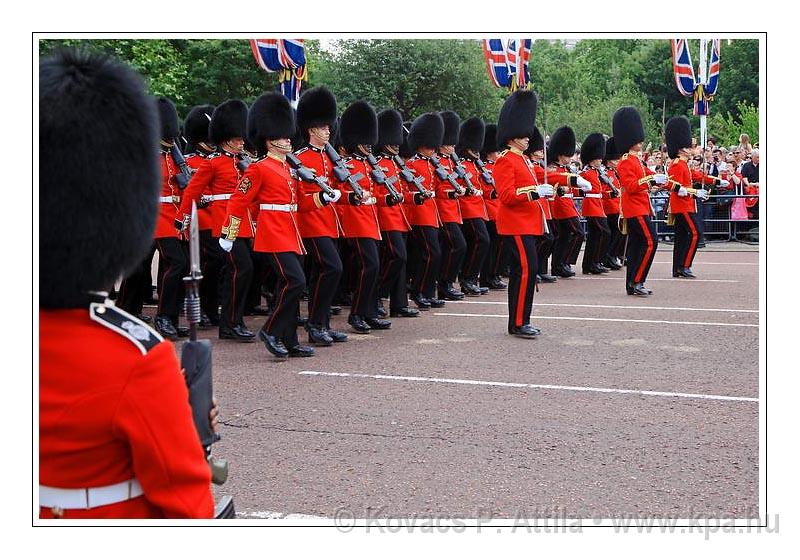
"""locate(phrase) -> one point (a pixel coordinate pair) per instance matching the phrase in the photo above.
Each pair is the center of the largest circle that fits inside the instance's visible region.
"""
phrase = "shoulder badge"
(501, 154)
(213, 155)
(125, 324)
(301, 150)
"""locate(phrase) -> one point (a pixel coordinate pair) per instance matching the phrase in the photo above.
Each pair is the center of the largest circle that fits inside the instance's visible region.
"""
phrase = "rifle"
(410, 177)
(461, 171)
(309, 175)
(342, 172)
(183, 177)
(380, 177)
(601, 172)
(196, 359)
(443, 175)
(244, 161)
(485, 173)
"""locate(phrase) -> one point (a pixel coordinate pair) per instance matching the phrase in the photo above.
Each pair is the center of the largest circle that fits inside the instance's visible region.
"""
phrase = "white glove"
(702, 193)
(683, 192)
(584, 185)
(337, 194)
(724, 183)
(660, 179)
(545, 190)
(226, 244)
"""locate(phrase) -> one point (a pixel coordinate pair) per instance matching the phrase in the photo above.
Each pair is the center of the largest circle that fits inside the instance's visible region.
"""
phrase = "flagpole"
(703, 81)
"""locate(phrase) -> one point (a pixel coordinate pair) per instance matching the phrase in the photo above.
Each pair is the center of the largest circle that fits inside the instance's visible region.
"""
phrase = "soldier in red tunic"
(682, 203)
(490, 273)
(219, 175)
(544, 243)
(319, 228)
(424, 138)
(451, 240)
(636, 210)
(269, 184)
(392, 217)
(473, 206)
(616, 245)
(116, 436)
(593, 150)
(520, 217)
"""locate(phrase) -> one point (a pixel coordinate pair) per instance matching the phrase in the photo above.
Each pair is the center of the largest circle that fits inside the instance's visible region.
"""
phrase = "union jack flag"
(523, 75)
(285, 56)
(713, 69)
(496, 63)
(682, 67)
(511, 57)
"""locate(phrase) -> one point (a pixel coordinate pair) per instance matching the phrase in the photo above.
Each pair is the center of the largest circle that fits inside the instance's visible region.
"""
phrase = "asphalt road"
(446, 415)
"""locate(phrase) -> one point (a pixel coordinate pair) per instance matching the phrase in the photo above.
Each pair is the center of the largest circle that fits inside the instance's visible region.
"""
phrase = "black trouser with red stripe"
(325, 269)
(171, 253)
(568, 242)
(392, 280)
(425, 268)
(454, 246)
(282, 322)
(492, 262)
(133, 289)
(211, 257)
(365, 276)
(521, 254)
(544, 245)
(597, 238)
(687, 236)
(616, 243)
(477, 238)
(237, 273)
(642, 244)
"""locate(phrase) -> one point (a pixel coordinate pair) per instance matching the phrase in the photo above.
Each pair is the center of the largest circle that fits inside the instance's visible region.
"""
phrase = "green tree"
(727, 128)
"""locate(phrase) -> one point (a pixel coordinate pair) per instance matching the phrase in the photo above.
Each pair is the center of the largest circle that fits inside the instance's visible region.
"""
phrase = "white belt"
(221, 196)
(590, 195)
(174, 198)
(85, 498)
(570, 195)
(279, 207)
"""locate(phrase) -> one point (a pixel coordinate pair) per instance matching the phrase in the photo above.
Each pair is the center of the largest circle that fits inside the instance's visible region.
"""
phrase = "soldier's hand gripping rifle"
(443, 175)
(463, 174)
(380, 177)
(183, 177)
(309, 175)
(196, 364)
(411, 178)
(602, 173)
(486, 175)
(342, 173)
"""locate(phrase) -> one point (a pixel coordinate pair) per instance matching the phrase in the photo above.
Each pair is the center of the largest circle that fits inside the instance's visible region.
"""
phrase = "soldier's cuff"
(231, 231)
(452, 195)
(573, 180)
(353, 199)
(319, 202)
(648, 180)
(533, 195)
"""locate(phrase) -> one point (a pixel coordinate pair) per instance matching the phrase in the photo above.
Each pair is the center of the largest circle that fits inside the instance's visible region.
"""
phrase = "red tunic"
(391, 218)
(563, 207)
(611, 205)
(194, 160)
(113, 406)
(544, 202)
(635, 182)
(679, 171)
(322, 222)
(517, 214)
(447, 205)
(218, 175)
(592, 205)
(270, 181)
(472, 206)
(358, 220)
(427, 213)
(170, 197)
(490, 194)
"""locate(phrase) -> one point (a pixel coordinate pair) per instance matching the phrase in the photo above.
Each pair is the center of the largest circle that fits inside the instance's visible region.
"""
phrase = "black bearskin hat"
(536, 142)
(299, 139)
(359, 126)
(678, 134)
(335, 139)
(168, 117)
(96, 220)
(517, 117)
(195, 127)
(470, 135)
(390, 128)
(627, 127)
(317, 107)
(562, 143)
(229, 120)
(451, 124)
(270, 117)
(611, 150)
(489, 140)
(427, 131)
(593, 147)
(405, 151)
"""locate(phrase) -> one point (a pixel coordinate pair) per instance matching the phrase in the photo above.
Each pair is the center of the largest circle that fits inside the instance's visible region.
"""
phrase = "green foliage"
(727, 128)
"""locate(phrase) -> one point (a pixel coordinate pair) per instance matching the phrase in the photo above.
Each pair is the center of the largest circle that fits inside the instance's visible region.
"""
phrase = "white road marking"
(687, 281)
(275, 515)
(648, 307)
(529, 386)
(701, 323)
(701, 263)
